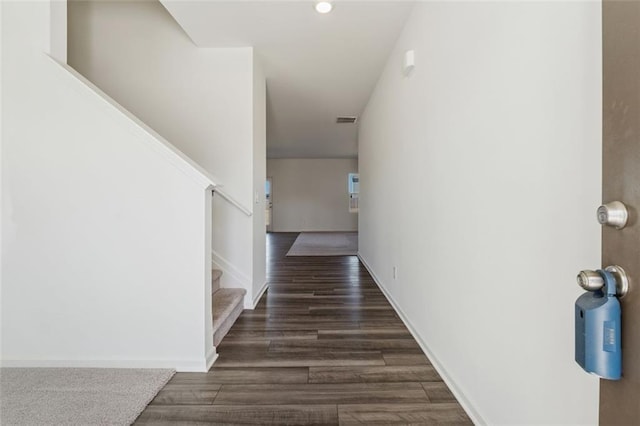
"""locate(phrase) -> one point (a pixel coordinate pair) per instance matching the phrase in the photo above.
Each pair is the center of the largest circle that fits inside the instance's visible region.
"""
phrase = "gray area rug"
(77, 396)
(325, 244)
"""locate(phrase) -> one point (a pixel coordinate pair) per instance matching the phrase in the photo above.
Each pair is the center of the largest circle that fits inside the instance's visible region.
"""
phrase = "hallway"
(323, 346)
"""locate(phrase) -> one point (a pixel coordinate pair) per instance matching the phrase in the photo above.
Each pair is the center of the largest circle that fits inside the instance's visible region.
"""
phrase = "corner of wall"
(259, 170)
(58, 30)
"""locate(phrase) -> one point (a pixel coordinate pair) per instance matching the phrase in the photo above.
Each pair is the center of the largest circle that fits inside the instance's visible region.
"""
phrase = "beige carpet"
(77, 396)
(325, 244)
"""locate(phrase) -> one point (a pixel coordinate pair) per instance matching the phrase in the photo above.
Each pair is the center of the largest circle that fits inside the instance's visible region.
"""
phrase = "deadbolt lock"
(613, 214)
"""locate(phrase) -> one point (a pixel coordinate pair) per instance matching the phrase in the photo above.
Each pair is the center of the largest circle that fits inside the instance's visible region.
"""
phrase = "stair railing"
(232, 201)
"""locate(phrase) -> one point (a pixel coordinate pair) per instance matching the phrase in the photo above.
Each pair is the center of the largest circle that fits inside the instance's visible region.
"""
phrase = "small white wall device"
(409, 62)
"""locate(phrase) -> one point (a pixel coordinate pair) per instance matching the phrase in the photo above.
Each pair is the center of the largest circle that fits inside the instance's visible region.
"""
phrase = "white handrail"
(233, 201)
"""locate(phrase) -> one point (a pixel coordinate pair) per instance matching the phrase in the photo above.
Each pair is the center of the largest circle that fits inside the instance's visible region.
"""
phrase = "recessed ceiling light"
(323, 7)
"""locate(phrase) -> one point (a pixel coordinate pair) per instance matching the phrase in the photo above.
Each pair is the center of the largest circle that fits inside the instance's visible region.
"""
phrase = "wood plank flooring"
(323, 347)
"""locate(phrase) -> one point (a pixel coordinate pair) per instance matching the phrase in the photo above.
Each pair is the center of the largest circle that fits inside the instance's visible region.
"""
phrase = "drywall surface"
(480, 173)
(259, 179)
(1, 178)
(104, 226)
(311, 194)
(58, 30)
(200, 99)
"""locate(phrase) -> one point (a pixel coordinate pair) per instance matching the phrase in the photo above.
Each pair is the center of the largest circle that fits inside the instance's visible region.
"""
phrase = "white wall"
(58, 30)
(104, 225)
(1, 175)
(311, 194)
(480, 174)
(259, 178)
(200, 99)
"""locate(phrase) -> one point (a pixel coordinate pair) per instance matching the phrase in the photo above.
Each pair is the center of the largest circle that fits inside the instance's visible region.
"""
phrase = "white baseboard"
(198, 365)
(211, 357)
(233, 274)
(455, 389)
(258, 295)
(314, 231)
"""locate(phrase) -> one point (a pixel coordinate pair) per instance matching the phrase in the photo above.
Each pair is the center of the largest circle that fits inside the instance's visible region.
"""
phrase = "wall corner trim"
(212, 356)
(259, 293)
(457, 392)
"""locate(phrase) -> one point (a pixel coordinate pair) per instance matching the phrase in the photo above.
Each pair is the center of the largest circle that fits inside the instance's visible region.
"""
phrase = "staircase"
(227, 305)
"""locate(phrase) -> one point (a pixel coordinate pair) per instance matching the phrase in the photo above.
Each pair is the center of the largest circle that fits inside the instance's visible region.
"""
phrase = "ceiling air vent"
(346, 119)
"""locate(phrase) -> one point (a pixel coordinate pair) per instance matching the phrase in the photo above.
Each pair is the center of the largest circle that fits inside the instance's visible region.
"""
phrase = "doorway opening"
(268, 204)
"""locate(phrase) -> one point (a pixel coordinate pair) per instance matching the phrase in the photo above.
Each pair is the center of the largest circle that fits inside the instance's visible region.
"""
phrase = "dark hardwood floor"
(323, 346)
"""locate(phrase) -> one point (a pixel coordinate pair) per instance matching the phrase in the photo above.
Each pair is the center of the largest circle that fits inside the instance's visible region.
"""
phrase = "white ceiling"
(317, 66)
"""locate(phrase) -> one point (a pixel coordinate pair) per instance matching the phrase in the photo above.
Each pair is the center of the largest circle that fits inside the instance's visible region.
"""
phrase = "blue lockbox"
(598, 330)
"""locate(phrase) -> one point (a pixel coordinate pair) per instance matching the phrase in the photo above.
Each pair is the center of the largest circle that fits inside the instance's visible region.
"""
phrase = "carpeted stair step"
(215, 280)
(228, 304)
